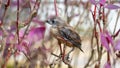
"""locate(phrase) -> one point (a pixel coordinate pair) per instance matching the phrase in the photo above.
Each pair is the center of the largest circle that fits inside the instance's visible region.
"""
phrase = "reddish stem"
(30, 18)
(99, 26)
(6, 59)
(63, 56)
(108, 58)
(6, 7)
(98, 22)
(116, 34)
(103, 15)
(55, 8)
(94, 14)
(35, 4)
(17, 24)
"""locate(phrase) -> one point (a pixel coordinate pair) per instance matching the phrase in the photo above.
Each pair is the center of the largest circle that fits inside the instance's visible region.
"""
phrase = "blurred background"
(26, 40)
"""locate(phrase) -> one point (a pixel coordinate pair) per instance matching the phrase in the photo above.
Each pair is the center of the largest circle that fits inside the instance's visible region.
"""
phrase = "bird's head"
(55, 21)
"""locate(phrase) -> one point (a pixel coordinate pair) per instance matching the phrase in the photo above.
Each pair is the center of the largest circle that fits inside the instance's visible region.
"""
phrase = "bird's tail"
(81, 49)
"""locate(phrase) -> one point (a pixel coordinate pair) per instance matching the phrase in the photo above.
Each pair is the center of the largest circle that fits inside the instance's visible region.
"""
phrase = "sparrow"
(64, 33)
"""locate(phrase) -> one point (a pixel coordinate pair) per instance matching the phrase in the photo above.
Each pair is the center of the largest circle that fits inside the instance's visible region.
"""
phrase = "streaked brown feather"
(66, 34)
(70, 36)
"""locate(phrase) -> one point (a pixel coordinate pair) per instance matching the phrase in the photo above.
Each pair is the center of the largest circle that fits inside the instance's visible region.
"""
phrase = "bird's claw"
(67, 58)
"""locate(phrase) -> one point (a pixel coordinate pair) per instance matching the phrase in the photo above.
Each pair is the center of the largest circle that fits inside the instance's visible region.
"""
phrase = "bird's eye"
(53, 21)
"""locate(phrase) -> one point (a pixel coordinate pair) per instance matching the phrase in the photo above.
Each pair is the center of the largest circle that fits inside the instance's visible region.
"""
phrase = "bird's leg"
(64, 52)
(63, 57)
(59, 43)
(70, 50)
(67, 56)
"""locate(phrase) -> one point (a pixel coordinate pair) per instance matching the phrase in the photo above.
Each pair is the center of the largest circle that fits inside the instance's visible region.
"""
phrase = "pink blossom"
(36, 34)
(102, 2)
(105, 5)
(111, 6)
(107, 65)
(106, 39)
(10, 38)
(24, 46)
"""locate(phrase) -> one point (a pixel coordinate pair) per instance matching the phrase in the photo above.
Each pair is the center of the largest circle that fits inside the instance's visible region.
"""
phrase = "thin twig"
(55, 55)
(55, 8)
(6, 7)
(92, 52)
(32, 15)
(116, 22)
(17, 25)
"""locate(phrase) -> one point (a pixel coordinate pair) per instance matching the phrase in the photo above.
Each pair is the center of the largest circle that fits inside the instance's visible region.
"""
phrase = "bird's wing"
(70, 35)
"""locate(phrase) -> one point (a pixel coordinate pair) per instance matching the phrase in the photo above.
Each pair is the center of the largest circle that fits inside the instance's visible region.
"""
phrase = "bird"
(64, 33)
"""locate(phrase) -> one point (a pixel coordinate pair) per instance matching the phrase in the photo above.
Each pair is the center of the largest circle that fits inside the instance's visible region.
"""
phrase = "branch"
(55, 8)
(17, 22)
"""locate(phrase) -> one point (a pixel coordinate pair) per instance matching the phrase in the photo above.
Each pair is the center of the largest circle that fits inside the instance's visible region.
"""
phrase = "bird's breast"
(54, 32)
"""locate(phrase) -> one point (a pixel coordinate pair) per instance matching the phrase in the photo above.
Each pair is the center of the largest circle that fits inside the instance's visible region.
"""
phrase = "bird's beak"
(46, 21)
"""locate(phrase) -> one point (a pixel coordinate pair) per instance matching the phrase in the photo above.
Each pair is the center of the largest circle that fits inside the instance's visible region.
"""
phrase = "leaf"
(21, 33)
(107, 65)
(104, 41)
(102, 2)
(111, 6)
(117, 46)
(93, 2)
